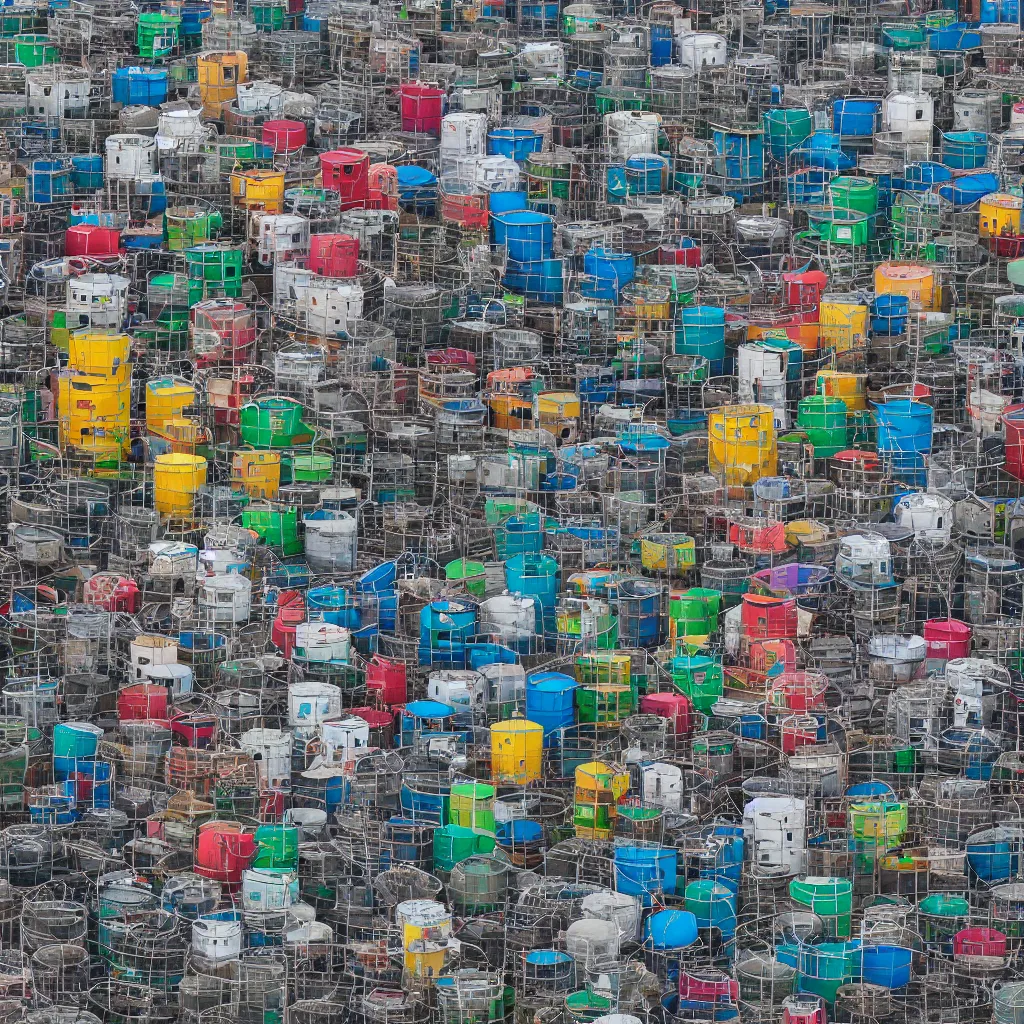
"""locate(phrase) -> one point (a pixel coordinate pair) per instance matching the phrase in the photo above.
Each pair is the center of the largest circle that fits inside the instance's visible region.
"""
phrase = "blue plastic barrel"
(550, 702)
(639, 613)
(536, 576)
(500, 203)
(971, 188)
(417, 189)
(73, 744)
(856, 117)
(661, 45)
(905, 437)
(515, 143)
(49, 179)
(670, 929)
(529, 236)
(154, 188)
(137, 86)
(824, 149)
(607, 271)
(539, 280)
(645, 872)
(87, 171)
(964, 150)
(886, 965)
(889, 314)
(808, 187)
(919, 177)
(644, 174)
(701, 332)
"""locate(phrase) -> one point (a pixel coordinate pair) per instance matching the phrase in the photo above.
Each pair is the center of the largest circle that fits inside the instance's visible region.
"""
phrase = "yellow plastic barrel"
(258, 190)
(742, 445)
(849, 387)
(517, 751)
(99, 353)
(256, 473)
(843, 323)
(999, 214)
(219, 73)
(914, 280)
(166, 398)
(176, 480)
(94, 412)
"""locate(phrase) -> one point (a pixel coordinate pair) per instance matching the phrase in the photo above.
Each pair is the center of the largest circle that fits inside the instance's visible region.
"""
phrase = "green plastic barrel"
(277, 527)
(695, 611)
(471, 805)
(218, 267)
(277, 846)
(157, 34)
(823, 967)
(940, 916)
(611, 98)
(839, 226)
(830, 898)
(315, 469)
(604, 704)
(267, 15)
(454, 843)
(852, 192)
(823, 419)
(700, 678)
(472, 575)
(32, 51)
(785, 129)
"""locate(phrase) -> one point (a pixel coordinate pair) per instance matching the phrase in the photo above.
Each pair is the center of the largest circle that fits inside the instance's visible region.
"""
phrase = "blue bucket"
(964, 150)
(608, 271)
(644, 872)
(645, 174)
(139, 87)
(661, 45)
(919, 177)
(701, 332)
(970, 189)
(87, 171)
(515, 143)
(885, 965)
(824, 149)
(889, 314)
(529, 236)
(536, 576)
(859, 118)
(670, 929)
(954, 38)
(808, 187)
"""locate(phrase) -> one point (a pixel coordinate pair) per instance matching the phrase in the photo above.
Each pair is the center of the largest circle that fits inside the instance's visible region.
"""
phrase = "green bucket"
(823, 419)
(851, 192)
(471, 805)
(472, 575)
(695, 611)
(700, 678)
(277, 846)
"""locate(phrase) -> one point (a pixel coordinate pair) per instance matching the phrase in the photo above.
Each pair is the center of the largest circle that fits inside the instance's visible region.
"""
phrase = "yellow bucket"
(166, 398)
(94, 412)
(256, 473)
(258, 190)
(843, 324)
(176, 480)
(218, 74)
(914, 280)
(999, 214)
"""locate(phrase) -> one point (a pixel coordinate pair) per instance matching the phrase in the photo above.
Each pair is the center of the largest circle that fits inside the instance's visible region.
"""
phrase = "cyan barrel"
(785, 129)
(825, 966)
(701, 332)
(905, 436)
(529, 236)
(607, 272)
(964, 150)
(515, 143)
(855, 117)
(73, 744)
(536, 576)
(713, 905)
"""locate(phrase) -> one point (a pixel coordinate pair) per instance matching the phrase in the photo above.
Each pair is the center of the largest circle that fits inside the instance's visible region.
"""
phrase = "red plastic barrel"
(676, 707)
(195, 728)
(768, 618)
(979, 942)
(223, 852)
(91, 240)
(422, 108)
(946, 639)
(1013, 439)
(381, 723)
(284, 136)
(383, 179)
(291, 611)
(387, 679)
(469, 211)
(142, 701)
(346, 171)
(333, 255)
